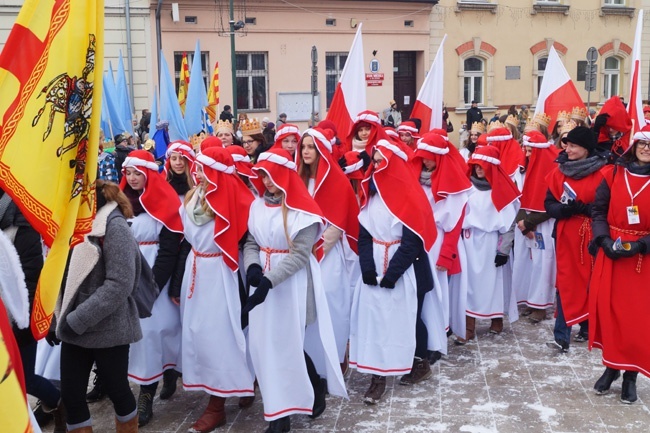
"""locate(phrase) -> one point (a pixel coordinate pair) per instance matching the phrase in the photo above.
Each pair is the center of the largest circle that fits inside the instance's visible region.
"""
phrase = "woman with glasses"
(619, 299)
(252, 139)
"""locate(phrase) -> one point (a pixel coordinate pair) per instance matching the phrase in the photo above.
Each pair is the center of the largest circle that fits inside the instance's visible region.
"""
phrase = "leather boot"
(87, 429)
(59, 415)
(470, 326)
(170, 377)
(145, 405)
(605, 381)
(130, 426)
(246, 402)
(320, 392)
(628, 391)
(97, 393)
(214, 416)
(496, 327)
(281, 425)
(420, 371)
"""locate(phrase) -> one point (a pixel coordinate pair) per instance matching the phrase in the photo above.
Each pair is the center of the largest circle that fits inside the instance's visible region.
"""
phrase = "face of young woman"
(429, 164)
(575, 152)
(377, 160)
(250, 144)
(308, 150)
(528, 151)
(269, 185)
(225, 137)
(473, 137)
(405, 137)
(643, 152)
(200, 177)
(289, 144)
(363, 132)
(480, 173)
(177, 163)
(135, 179)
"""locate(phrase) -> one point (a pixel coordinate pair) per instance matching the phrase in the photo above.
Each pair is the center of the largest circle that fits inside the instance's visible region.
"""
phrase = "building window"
(541, 67)
(252, 81)
(473, 80)
(334, 63)
(611, 77)
(178, 60)
(615, 2)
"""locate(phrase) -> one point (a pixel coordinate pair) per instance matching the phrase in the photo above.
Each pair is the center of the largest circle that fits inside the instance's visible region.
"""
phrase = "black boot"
(628, 392)
(170, 378)
(145, 403)
(97, 393)
(281, 425)
(602, 385)
(319, 399)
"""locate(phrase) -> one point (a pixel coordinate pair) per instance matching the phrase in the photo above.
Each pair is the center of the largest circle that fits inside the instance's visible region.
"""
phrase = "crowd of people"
(283, 264)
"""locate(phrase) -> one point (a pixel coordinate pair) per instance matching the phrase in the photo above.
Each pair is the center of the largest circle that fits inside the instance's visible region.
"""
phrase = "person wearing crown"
(225, 132)
(252, 138)
(512, 123)
(579, 115)
(476, 130)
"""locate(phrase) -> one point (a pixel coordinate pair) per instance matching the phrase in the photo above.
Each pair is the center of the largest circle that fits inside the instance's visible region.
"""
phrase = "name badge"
(633, 215)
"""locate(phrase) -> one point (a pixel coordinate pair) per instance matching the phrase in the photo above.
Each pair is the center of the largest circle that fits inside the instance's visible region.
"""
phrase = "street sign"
(591, 71)
(592, 55)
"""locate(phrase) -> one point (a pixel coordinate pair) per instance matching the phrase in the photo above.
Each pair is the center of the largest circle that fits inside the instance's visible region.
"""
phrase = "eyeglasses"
(248, 142)
(643, 144)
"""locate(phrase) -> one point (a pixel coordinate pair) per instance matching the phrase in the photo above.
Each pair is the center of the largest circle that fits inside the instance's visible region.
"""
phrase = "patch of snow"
(545, 413)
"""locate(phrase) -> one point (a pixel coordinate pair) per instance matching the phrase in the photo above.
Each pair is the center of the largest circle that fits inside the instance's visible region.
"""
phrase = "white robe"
(382, 327)
(213, 344)
(277, 326)
(160, 347)
(481, 228)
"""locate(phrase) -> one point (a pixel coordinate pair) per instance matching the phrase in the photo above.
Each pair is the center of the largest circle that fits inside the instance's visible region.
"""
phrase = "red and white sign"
(376, 79)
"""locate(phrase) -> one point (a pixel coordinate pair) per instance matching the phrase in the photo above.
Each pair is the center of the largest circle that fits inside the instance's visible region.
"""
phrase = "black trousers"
(112, 366)
(37, 386)
(421, 333)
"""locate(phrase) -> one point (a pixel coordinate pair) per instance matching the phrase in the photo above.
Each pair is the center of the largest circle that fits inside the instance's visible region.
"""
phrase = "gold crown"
(531, 126)
(579, 113)
(478, 127)
(196, 140)
(562, 116)
(494, 125)
(224, 124)
(543, 119)
(512, 120)
(568, 126)
(250, 127)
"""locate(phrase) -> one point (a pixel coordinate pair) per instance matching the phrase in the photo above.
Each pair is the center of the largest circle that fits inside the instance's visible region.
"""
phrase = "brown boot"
(497, 326)
(537, 315)
(87, 429)
(130, 426)
(59, 415)
(214, 416)
(420, 371)
(470, 325)
(376, 390)
(246, 402)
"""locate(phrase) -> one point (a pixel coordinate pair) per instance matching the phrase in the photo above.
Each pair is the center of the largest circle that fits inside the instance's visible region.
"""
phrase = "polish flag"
(350, 95)
(635, 106)
(428, 105)
(558, 92)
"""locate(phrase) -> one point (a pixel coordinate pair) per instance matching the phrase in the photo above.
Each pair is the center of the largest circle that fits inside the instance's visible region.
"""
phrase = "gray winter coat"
(95, 309)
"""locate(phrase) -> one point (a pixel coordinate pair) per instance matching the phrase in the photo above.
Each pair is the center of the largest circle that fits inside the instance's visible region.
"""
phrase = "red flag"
(428, 105)
(635, 106)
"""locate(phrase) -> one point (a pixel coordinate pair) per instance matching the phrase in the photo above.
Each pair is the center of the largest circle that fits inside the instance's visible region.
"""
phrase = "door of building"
(404, 90)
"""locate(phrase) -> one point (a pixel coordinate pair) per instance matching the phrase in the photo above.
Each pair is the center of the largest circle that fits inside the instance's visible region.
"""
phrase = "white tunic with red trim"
(382, 326)
(277, 326)
(481, 228)
(214, 347)
(160, 347)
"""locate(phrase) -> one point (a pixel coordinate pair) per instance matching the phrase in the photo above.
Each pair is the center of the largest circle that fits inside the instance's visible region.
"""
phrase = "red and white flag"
(557, 93)
(428, 105)
(350, 95)
(635, 106)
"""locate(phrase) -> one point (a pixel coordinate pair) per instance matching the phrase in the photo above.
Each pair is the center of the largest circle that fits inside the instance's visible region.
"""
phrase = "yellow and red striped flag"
(183, 83)
(50, 107)
(213, 95)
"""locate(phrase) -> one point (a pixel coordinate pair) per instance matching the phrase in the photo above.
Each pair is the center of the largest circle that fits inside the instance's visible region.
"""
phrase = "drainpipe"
(158, 36)
(129, 54)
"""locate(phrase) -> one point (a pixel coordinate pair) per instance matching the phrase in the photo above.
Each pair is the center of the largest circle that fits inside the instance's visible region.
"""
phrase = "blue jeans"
(561, 331)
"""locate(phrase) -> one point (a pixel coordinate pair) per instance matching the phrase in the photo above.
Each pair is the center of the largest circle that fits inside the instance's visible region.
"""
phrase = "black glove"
(635, 248)
(259, 296)
(599, 122)
(363, 155)
(51, 338)
(254, 275)
(369, 278)
(386, 283)
(585, 209)
(607, 244)
(500, 260)
(343, 163)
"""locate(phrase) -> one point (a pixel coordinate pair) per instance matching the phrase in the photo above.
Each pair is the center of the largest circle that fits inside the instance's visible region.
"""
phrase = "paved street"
(506, 383)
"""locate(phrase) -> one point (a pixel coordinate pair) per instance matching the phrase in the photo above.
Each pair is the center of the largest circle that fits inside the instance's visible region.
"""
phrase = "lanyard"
(629, 190)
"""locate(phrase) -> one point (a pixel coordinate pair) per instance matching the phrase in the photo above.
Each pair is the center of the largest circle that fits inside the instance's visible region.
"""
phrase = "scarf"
(359, 145)
(134, 199)
(179, 183)
(272, 200)
(581, 168)
(480, 184)
(636, 168)
(425, 177)
(196, 212)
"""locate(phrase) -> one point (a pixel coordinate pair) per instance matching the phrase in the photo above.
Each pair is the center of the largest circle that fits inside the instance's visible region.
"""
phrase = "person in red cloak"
(613, 127)
(619, 299)
(287, 138)
(569, 199)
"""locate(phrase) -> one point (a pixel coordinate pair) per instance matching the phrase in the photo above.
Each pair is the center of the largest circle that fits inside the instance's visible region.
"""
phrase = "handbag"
(147, 291)
(450, 127)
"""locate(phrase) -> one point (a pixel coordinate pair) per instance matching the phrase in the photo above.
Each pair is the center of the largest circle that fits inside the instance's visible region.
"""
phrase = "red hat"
(453, 151)
(277, 164)
(158, 198)
(618, 120)
(449, 176)
(210, 141)
(332, 189)
(481, 141)
(401, 193)
(243, 164)
(328, 124)
(512, 157)
(353, 165)
(390, 131)
(409, 127)
(646, 108)
(541, 163)
(229, 199)
(504, 190)
(376, 130)
(286, 130)
(186, 151)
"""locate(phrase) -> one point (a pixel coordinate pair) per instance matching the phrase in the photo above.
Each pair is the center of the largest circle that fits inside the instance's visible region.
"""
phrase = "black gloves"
(386, 283)
(599, 122)
(369, 278)
(635, 248)
(342, 163)
(607, 244)
(575, 207)
(259, 296)
(363, 155)
(52, 339)
(500, 260)
(254, 275)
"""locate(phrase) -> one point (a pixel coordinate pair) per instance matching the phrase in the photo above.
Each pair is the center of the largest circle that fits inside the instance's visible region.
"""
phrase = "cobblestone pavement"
(506, 383)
